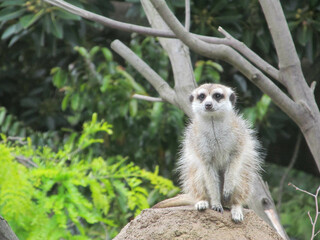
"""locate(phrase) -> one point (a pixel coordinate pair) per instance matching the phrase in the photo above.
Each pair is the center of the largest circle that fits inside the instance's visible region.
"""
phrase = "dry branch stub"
(188, 223)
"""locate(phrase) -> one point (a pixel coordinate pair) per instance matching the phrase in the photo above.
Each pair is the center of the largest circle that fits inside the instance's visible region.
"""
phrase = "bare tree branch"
(279, 30)
(146, 98)
(187, 15)
(231, 56)
(165, 91)
(109, 22)
(288, 58)
(291, 74)
(250, 55)
(240, 47)
(179, 58)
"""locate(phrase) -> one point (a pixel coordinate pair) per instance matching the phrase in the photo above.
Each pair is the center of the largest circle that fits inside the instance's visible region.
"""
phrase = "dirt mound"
(190, 224)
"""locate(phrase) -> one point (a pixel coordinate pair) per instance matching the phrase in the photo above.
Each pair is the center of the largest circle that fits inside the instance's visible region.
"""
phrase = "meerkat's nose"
(208, 105)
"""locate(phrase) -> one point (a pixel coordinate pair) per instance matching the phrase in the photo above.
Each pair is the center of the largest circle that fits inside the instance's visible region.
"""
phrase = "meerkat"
(219, 160)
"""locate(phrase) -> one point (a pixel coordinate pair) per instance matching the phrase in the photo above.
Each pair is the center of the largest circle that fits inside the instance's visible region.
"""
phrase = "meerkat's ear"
(233, 98)
(191, 97)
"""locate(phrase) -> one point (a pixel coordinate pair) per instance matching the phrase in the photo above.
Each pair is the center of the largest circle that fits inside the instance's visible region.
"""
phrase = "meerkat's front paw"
(236, 213)
(202, 205)
(226, 196)
(227, 193)
(217, 207)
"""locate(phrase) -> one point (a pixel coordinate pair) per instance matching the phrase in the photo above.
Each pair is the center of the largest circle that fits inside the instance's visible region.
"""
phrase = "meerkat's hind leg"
(202, 205)
(236, 213)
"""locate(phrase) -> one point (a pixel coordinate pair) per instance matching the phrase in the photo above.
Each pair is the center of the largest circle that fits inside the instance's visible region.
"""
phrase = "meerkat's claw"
(236, 214)
(217, 207)
(202, 205)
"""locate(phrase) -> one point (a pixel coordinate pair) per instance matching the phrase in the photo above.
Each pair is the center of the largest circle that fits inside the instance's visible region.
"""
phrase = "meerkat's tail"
(179, 200)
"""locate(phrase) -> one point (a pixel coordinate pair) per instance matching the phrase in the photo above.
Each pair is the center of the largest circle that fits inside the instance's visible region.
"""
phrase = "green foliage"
(207, 71)
(295, 204)
(27, 17)
(245, 21)
(73, 193)
(11, 126)
(95, 83)
(259, 111)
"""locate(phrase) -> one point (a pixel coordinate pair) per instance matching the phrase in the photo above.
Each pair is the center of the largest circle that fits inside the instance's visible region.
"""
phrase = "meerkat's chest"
(216, 144)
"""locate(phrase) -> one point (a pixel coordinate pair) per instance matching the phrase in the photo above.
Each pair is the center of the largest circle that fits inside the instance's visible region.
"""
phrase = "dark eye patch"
(218, 96)
(201, 97)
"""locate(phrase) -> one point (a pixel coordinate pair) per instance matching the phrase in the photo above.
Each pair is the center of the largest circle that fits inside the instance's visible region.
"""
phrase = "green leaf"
(215, 76)
(250, 114)
(12, 3)
(27, 20)
(7, 123)
(65, 102)
(67, 16)
(198, 70)
(122, 192)
(136, 86)
(16, 38)
(7, 14)
(133, 107)
(217, 66)
(83, 52)
(57, 28)
(93, 51)
(3, 112)
(59, 77)
(263, 105)
(13, 29)
(107, 54)
(75, 101)
(105, 83)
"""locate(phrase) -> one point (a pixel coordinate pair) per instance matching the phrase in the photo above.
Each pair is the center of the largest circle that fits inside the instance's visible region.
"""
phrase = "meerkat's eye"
(201, 96)
(217, 96)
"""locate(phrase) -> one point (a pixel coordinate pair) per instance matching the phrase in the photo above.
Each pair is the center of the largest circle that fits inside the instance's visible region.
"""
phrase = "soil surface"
(189, 224)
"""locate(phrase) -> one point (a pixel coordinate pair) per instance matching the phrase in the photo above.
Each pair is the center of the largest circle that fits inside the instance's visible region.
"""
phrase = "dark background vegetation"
(56, 71)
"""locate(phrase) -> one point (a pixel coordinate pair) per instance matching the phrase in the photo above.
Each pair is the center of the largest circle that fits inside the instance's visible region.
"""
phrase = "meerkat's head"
(212, 100)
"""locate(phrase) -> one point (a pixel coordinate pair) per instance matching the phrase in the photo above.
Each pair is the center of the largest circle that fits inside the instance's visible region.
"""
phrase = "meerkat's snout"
(208, 105)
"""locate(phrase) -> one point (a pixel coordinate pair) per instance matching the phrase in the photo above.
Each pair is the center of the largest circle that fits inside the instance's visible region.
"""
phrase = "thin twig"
(18, 139)
(146, 98)
(301, 190)
(310, 217)
(313, 221)
(27, 162)
(187, 15)
(286, 173)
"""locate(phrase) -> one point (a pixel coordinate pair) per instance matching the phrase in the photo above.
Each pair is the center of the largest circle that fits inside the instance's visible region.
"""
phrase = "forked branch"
(231, 56)
(314, 233)
(228, 41)
(162, 87)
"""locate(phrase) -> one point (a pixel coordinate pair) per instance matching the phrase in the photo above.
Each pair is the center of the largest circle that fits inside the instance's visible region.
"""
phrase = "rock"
(189, 224)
